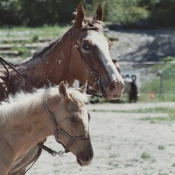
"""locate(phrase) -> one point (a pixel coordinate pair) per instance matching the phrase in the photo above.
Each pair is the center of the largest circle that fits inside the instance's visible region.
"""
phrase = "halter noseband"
(59, 130)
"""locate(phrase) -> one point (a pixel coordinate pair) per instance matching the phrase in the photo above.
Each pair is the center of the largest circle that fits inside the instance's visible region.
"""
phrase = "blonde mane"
(22, 105)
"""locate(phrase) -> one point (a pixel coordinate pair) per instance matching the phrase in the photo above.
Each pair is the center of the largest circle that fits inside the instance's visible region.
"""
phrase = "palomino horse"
(56, 111)
(81, 53)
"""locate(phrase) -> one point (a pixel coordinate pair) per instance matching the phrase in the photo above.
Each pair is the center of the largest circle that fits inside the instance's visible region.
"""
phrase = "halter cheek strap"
(72, 35)
(59, 130)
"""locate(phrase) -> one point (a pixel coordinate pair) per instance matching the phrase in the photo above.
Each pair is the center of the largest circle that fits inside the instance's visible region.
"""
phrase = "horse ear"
(99, 13)
(62, 88)
(83, 87)
(80, 16)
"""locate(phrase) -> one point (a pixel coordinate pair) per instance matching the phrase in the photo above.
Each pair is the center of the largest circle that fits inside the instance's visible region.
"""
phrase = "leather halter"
(72, 35)
(59, 130)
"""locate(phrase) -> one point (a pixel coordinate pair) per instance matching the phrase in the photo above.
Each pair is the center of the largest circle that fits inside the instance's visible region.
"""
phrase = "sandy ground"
(119, 140)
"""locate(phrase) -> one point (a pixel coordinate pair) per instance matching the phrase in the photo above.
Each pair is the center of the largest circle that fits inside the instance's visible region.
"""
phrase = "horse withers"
(27, 119)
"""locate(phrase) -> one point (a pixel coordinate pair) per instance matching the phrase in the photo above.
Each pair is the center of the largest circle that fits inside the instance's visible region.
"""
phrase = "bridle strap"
(49, 150)
(49, 114)
(4, 63)
(33, 160)
(58, 130)
(72, 35)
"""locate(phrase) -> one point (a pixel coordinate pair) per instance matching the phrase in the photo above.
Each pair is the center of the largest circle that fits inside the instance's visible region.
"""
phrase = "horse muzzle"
(85, 159)
(113, 91)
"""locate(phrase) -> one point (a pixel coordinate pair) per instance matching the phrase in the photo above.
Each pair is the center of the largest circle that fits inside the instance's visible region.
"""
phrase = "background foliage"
(126, 12)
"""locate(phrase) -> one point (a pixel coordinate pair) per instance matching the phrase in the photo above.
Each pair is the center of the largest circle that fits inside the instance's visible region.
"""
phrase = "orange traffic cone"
(151, 95)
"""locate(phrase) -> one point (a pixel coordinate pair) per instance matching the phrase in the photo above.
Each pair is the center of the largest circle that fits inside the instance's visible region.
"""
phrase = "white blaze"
(100, 41)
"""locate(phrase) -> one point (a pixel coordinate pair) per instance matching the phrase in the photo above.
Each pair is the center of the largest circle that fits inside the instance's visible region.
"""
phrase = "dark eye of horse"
(86, 47)
(73, 120)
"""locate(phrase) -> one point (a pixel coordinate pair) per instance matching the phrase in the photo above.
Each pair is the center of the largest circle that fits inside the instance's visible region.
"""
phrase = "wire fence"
(167, 83)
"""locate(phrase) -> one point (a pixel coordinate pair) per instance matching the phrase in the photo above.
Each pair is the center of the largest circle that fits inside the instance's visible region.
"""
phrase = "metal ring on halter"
(97, 82)
(54, 153)
(76, 47)
(60, 153)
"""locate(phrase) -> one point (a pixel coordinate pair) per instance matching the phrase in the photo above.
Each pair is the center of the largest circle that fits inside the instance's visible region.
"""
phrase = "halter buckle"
(57, 128)
(73, 139)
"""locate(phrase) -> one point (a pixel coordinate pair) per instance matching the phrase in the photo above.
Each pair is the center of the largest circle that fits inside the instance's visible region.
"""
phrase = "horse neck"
(31, 130)
(51, 66)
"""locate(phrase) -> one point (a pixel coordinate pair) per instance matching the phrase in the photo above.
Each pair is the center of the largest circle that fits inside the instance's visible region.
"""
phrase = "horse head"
(91, 59)
(74, 124)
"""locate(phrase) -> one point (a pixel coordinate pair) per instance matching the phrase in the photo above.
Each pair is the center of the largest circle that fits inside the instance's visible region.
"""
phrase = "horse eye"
(73, 120)
(86, 47)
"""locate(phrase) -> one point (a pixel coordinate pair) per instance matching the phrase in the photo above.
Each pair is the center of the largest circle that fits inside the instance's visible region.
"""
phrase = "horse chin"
(103, 92)
(108, 96)
(82, 163)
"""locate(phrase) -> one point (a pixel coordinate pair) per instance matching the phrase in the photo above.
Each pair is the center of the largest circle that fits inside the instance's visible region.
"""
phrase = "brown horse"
(81, 53)
(24, 123)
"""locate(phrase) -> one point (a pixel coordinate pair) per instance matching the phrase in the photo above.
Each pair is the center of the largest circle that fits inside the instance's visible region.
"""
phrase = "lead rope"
(50, 151)
(12, 66)
(28, 164)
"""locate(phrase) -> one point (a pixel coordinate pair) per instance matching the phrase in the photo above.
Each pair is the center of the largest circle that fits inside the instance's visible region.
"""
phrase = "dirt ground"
(123, 145)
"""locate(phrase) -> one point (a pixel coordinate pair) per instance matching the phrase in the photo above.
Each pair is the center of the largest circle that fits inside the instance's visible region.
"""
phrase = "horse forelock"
(92, 22)
(22, 105)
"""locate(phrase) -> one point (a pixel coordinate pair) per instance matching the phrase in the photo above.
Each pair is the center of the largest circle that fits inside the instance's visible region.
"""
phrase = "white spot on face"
(59, 61)
(84, 116)
(101, 43)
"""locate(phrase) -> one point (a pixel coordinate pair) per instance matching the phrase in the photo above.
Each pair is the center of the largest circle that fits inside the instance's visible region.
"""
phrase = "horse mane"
(43, 50)
(47, 47)
(89, 22)
(92, 22)
(22, 105)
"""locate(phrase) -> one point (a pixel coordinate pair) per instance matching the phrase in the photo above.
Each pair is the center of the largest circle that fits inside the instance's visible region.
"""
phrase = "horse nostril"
(88, 157)
(112, 86)
(116, 86)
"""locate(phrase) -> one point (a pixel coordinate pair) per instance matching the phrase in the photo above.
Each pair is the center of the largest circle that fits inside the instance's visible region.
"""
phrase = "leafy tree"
(40, 12)
(10, 12)
(162, 12)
